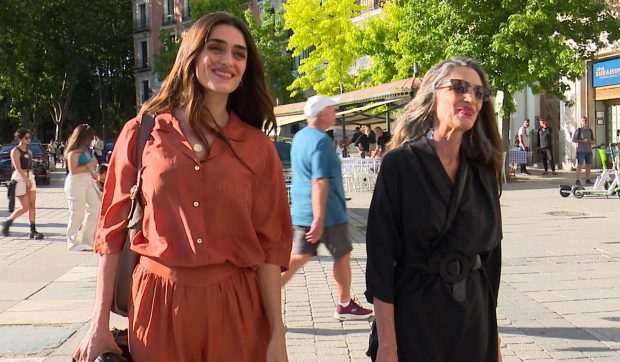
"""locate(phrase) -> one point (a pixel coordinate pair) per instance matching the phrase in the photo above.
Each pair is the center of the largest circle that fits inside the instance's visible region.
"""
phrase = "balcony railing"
(168, 19)
(142, 66)
(369, 5)
(141, 24)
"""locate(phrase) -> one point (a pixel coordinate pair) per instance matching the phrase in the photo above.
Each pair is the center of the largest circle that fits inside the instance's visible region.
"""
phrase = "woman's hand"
(386, 354)
(92, 163)
(276, 349)
(499, 349)
(96, 342)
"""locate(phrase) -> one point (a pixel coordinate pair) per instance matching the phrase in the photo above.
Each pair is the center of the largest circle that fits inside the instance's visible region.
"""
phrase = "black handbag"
(129, 259)
(10, 194)
(373, 342)
(120, 337)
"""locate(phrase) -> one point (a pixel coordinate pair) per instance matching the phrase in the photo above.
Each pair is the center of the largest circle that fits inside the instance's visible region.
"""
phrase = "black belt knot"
(453, 268)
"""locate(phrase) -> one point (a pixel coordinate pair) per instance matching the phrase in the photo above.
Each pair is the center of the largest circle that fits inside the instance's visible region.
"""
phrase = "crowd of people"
(219, 241)
(543, 142)
(365, 141)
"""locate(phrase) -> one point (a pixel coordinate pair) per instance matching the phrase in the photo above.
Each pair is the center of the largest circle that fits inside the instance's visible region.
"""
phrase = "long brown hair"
(482, 143)
(80, 138)
(251, 101)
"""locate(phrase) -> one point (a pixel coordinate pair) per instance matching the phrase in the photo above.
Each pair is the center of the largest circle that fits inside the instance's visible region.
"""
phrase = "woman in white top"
(80, 190)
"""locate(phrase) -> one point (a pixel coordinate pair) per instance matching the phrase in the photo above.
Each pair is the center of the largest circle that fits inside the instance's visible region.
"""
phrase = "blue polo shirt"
(313, 157)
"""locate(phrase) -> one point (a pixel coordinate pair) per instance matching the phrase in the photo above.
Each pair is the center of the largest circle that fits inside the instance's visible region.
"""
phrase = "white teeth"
(224, 74)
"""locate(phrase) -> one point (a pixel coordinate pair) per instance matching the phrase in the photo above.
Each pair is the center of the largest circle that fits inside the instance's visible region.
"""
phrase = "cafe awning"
(353, 107)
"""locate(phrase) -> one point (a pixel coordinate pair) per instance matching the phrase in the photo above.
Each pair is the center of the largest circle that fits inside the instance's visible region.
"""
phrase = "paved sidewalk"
(559, 299)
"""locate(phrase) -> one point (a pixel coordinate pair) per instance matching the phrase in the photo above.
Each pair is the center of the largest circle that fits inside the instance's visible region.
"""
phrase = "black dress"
(436, 319)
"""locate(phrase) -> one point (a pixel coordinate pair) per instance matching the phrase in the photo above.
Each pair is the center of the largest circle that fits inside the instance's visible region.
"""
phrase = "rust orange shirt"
(199, 211)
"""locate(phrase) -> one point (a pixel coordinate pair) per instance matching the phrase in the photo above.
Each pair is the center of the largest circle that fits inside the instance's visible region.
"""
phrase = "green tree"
(18, 73)
(542, 44)
(406, 33)
(48, 50)
(270, 38)
(168, 49)
(203, 7)
(325, 29)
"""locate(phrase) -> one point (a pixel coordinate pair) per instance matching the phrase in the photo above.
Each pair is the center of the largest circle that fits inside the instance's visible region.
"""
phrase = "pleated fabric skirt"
(211, 313)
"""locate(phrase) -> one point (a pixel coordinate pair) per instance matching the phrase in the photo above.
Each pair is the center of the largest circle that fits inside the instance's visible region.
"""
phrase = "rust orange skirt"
(211, 313)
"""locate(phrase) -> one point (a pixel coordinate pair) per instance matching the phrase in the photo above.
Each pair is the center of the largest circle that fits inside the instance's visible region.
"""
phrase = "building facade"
(597, 96)
(150, 17)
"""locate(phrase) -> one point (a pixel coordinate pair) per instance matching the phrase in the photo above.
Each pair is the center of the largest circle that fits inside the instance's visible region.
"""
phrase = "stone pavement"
(559, 299)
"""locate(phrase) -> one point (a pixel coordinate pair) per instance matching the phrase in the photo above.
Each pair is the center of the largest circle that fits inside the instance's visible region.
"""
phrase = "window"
(142, 14)
(144, 54)
(145, 90)
(170, 7)
(613, 124)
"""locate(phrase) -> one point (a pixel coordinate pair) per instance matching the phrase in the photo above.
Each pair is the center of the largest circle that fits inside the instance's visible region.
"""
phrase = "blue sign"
(606, 73)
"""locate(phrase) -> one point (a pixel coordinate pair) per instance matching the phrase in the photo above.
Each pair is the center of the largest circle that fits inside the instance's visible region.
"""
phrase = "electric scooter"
(606, 184)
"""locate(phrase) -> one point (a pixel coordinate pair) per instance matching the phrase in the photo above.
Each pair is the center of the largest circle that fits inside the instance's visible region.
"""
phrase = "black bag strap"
(144, 131)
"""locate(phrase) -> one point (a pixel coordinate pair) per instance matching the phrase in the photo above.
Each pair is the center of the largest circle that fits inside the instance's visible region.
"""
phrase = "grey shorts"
(335, 238)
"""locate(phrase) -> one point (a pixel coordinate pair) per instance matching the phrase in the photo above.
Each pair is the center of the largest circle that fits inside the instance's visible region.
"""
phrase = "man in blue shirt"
(319, 212)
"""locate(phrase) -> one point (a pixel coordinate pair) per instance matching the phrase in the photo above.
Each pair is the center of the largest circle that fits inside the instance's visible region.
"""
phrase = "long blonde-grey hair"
(482, 143)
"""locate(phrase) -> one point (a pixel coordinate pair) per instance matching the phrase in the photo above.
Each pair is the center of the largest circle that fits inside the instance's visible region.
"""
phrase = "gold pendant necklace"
(197, 147)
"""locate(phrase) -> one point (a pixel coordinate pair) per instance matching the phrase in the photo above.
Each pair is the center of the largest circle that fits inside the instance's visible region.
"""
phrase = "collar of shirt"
(233, 131)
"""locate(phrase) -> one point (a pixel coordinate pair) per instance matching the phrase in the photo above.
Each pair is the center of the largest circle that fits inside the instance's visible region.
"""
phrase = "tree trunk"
(61, 106)
(57, 135)
(506, 132)
(507, 109)
(26, 118)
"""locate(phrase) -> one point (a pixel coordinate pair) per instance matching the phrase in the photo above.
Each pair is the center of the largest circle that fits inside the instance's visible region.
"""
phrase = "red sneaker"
(353, 311)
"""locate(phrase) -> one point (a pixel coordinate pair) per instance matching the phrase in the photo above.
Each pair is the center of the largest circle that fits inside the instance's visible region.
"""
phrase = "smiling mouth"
(223, 74)
(466, 110)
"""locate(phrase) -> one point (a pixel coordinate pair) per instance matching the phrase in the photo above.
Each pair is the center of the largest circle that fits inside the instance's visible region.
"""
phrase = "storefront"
(606, 85)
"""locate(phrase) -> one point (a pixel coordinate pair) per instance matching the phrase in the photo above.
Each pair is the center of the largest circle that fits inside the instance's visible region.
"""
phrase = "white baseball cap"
(315, 104)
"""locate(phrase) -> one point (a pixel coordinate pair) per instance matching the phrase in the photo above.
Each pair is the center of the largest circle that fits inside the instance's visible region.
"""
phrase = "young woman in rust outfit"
(216, 231)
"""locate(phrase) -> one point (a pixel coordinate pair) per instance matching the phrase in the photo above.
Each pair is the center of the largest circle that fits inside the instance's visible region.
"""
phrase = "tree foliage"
(400, 37)
(325, 29)
(168, 49)
(542, 44)
(270, 38)
(52, 50)
(204, 7)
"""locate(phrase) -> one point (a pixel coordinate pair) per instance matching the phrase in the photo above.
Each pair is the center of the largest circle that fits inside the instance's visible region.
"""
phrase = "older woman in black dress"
(434, 227)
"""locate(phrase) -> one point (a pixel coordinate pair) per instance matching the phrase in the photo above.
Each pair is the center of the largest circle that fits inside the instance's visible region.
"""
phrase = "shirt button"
(196, 203)
(197, 168)
(199, 241)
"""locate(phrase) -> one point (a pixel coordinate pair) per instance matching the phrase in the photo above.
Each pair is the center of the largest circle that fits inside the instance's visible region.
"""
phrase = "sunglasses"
(462, 87)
